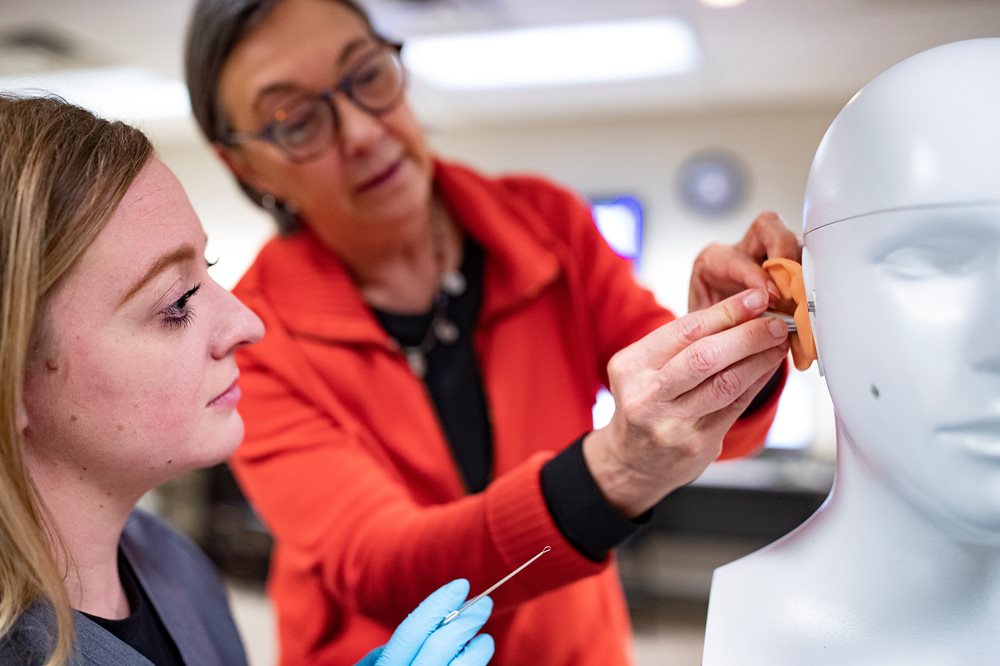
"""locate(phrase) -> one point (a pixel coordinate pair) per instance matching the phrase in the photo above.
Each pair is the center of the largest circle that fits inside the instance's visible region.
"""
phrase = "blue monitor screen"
(619, 220)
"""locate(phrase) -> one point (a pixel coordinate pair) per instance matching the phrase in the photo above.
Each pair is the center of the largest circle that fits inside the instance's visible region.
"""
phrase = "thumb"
(409, 637)
(372, 657)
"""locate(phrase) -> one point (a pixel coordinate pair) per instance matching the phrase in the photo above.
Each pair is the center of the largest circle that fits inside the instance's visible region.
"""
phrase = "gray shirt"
(184, 588)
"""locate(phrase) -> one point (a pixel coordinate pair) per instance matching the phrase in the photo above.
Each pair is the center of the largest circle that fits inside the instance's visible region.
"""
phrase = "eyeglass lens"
(306, 127)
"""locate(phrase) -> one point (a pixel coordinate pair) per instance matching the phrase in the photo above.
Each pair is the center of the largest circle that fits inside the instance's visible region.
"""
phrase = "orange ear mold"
(787, 275)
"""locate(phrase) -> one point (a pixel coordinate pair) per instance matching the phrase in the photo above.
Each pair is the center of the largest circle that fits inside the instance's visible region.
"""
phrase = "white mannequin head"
(901, 564)
(902, 236)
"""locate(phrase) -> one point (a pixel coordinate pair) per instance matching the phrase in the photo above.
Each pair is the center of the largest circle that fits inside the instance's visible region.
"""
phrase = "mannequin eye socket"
(941, 258)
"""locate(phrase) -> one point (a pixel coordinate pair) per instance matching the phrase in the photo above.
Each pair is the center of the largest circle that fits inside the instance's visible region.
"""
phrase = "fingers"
(767, 238)
(727, 269)
(411, 634)
(442, 646)
(720, 270)
(661, 345)
(740, 405)
(717, 358)
(477, 653)
(372, 657)
(726, 394)
(770, 238)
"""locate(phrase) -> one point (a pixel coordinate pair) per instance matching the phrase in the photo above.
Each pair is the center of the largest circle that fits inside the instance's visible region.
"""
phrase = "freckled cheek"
(169, 406)
(139, 394)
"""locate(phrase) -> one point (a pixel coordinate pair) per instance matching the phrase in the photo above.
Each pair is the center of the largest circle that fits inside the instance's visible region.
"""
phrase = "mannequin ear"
(787, 275)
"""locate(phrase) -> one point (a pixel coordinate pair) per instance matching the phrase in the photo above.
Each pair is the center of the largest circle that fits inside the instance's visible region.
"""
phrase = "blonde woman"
(118, 373)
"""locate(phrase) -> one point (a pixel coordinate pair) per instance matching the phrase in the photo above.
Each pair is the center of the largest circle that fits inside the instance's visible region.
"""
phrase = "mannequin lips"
(981, 436)
(986, 426)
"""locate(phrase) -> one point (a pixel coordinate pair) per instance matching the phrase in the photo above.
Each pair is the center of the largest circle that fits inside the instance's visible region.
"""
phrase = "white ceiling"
(766, 53)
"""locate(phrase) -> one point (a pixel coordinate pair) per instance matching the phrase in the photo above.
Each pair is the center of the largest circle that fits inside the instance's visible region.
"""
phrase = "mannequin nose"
(983, 343)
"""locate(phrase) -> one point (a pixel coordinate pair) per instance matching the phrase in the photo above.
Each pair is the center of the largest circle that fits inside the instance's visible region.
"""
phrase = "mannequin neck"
(867, 579)
(878, 545)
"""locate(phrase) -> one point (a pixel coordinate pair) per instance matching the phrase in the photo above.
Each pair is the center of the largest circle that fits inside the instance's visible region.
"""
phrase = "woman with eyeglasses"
(421, 406)
(118, 373)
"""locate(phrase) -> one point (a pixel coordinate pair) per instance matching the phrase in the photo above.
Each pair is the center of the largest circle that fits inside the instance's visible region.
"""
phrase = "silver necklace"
(441, 329)
(451, 283)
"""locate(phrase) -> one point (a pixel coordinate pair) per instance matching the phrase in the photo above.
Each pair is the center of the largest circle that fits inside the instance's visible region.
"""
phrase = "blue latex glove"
(421, 641)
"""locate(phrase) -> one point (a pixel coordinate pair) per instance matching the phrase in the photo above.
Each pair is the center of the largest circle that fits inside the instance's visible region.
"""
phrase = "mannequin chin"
(902, 259)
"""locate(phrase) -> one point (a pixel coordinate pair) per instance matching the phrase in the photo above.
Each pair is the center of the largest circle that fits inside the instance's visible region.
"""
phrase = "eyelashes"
(180, 314)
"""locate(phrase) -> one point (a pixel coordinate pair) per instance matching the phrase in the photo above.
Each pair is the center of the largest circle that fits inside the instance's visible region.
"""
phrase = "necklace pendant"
(416, 360)
(445, 331)
(453, 283)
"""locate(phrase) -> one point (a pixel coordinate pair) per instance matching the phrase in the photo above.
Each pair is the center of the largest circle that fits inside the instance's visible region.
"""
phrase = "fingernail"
(755, 299)
(777, 327)
(773, 290)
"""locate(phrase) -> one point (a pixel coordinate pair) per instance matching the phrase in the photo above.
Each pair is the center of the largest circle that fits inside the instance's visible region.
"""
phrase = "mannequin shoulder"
(760, 613)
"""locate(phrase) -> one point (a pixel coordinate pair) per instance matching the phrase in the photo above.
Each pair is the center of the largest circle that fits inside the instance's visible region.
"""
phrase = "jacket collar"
(34, 635)
(172, 602)
(313, 294)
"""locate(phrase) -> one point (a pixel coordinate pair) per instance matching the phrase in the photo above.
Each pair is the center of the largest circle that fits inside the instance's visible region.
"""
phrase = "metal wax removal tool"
(787, 318)
(455, 613)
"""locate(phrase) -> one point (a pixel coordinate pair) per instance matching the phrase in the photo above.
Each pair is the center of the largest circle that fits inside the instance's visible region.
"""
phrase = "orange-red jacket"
(346, 463)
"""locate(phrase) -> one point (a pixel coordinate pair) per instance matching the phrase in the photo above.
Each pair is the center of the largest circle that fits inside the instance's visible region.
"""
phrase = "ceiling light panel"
(552, 56)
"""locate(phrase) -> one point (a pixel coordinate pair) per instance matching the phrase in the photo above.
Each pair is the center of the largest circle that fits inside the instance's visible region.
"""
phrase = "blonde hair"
(63, 172)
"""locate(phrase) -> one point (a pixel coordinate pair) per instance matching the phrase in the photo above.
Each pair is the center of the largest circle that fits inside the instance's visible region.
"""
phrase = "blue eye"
(179, 314)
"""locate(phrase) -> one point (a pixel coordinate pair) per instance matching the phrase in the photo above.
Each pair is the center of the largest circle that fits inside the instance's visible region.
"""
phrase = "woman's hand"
(723, 270)
(677, 392)
(421, 640)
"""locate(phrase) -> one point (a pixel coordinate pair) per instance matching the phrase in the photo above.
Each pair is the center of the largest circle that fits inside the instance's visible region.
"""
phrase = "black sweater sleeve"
(579, 508)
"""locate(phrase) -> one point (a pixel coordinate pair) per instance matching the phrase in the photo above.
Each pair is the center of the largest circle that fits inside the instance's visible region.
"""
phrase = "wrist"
(624, 486)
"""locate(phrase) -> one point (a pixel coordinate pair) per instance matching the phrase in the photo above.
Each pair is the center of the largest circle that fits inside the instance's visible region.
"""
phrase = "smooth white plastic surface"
(924, 132)
(901, 565)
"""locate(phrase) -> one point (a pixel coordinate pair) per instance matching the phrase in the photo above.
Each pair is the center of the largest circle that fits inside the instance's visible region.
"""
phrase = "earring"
(268, 201)
(787, 275)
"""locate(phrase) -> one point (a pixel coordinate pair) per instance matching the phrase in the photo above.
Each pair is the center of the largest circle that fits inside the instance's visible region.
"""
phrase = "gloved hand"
(421, 641)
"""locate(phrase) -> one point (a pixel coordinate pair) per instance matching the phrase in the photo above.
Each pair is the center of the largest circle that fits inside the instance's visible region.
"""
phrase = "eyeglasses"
(306, 126)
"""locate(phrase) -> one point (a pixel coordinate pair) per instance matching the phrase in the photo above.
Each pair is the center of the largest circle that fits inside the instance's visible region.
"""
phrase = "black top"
(142, 630)
(453, 377)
